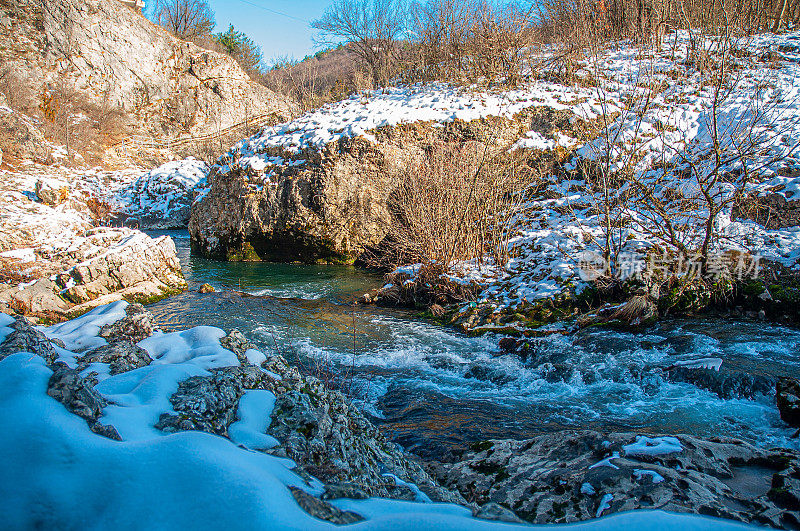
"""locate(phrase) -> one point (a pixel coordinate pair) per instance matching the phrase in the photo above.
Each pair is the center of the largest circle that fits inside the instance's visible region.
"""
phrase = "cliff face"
(112, 55)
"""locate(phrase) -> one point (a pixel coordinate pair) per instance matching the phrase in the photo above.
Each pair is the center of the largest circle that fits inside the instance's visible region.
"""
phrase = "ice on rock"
(653, 446)
(654, 476)
(607, 462)
(605, 503)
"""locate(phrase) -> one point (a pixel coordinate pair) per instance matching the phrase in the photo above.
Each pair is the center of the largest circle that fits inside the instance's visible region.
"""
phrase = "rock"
(135, 326)
(323, 203)
(67, 386)
(335, 491)
(237, 343)
(494, 511)
(26, 338)
(39, 298)
(787, 396)
(116, 59)
(21, 138)
(724, 383)
(99, 266)
(50, 194)
(206, 288)
(203, 403)
(122, 356)
(322, 509)
(563, 476)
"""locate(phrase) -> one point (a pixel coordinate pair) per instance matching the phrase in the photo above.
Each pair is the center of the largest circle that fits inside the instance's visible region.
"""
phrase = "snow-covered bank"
(59, 257)
(60, 474)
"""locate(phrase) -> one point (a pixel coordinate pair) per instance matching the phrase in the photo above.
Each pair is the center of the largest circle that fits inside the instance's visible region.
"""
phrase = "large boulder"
(319, 203)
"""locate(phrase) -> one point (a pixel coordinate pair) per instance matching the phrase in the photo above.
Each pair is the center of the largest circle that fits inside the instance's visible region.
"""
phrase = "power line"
(275, 12)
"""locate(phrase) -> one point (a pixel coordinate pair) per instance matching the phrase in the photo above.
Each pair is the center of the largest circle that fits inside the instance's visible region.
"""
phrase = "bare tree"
(372, 27)
(185, 19)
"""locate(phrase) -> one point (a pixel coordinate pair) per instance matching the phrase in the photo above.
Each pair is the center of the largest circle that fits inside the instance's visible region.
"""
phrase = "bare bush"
(371, 27)
(456, 204)
(186, 19)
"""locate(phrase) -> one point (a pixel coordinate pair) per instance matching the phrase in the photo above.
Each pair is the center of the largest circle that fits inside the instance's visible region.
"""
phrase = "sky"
(286, 35)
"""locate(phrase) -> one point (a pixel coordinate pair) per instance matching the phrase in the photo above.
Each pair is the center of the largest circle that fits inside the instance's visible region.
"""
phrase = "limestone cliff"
(112, 55)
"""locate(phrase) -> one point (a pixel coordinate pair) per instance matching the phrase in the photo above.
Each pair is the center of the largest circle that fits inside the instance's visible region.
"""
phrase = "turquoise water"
(434, 388)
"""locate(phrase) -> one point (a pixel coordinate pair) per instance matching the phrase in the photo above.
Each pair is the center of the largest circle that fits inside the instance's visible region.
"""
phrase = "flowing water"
(435, 389)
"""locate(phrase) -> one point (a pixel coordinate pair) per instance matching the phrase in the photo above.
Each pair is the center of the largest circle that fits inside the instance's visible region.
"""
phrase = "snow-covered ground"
(57, 473)
(662, 114)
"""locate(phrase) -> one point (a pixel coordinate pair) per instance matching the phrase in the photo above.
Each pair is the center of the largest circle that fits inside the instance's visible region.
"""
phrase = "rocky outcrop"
(578, 475)
(787, 397)
(106, 265)
(25, 338)
(204, 403)
(318, 204)
(135, 326)
(79, 396)
(21, 138)
(112, 56)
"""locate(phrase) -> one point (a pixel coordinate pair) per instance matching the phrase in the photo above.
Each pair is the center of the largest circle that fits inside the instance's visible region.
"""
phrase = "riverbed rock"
(80, 398)
(787, 396)
(203, 403)
(98, 266)
(726, 384)
(25, 338)
(206, 288)
(237, 343)
(322, 509)
(121, 356)
(568, 476)
(135, 326)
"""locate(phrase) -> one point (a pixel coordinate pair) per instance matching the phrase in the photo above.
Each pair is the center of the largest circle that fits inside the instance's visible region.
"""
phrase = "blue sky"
(277, 35)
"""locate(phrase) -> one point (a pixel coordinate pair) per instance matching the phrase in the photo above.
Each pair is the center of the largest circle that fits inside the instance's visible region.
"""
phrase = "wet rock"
(330, 439)
(787, 396)
(67, 386)
(563, 476)
(206, 288)
(322, 509)
(204, 403)
(25, 338)
(494, 511)
(727, 385)
(135, 326)
(489, 374)
(122, 356)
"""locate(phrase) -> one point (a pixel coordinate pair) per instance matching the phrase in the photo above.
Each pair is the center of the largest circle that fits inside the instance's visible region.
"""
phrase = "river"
(434, 388)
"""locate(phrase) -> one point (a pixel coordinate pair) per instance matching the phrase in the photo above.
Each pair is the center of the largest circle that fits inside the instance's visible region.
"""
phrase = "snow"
(83, 332)
(24, 255)
(605, 503)
(163, 192)
(652, 446)
(199, 344)
(5, 329)
(654, 476)
(255, 408)
(607, 462)
(256, 357)
(57, 473)
(586, 488)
